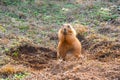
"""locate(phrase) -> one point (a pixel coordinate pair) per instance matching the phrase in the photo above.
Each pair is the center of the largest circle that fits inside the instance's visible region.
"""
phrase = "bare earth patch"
(32, 56)
(45, 66)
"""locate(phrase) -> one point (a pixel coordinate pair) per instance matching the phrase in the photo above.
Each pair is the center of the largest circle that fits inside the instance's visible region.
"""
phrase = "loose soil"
(100, 51)
(100, 59)
(32, 56)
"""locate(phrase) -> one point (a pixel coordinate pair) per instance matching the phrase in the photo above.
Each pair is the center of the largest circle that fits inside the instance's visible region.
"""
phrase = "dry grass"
(9, 69)
(80, 29)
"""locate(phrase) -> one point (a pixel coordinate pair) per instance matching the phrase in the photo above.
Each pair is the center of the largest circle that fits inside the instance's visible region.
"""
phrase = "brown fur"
(68, 42)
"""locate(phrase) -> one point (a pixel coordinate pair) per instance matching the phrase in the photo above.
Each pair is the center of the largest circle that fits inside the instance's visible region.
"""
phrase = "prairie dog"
(68, 42)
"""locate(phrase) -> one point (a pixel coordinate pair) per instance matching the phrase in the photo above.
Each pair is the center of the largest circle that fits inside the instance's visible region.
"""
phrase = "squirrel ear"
(62, 25)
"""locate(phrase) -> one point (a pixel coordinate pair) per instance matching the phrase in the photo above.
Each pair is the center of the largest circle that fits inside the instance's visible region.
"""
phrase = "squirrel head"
(67, 29)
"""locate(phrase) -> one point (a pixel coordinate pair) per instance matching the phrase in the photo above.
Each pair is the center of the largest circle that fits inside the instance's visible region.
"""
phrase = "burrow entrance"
(32, 56)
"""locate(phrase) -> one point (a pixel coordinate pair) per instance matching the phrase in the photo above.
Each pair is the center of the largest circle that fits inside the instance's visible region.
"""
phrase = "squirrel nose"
(65, 32)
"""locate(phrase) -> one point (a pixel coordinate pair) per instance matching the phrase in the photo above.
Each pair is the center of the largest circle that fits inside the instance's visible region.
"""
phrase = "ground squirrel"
(68, 42)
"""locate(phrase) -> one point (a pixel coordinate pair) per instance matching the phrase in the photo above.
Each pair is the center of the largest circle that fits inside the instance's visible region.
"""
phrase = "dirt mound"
(107, 30)
(105, 50)
(32, 56)
(79, 70)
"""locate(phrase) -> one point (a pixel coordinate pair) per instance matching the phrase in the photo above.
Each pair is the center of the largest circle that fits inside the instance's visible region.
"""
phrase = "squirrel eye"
(68, 26)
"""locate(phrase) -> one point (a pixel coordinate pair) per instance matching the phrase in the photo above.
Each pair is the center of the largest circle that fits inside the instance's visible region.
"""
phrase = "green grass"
(23, 28)
(15, 54)
(10, 2)
(50, 12)
(17, 76)
(2, 29)
(20, 76)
